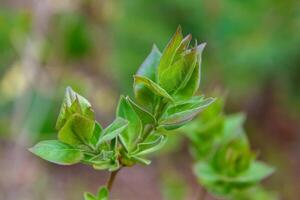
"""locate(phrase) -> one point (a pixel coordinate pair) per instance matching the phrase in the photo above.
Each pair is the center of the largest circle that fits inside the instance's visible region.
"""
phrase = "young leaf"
(113, 130)
(178, 74)
(233, 127)
(103, 193)
(102, 165)
(77, 130)
(145, 116)
(96, 134)
(153, 143)
(168, 57)
(141, 160)
(180, 114)
(143, 95)
(57, 152)
(89, 196)
(155, 88)
(132, 133)
(78, 103)
(256, 172)
(190, 87)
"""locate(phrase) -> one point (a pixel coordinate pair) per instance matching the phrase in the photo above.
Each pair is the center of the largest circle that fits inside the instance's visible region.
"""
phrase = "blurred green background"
(252, 55)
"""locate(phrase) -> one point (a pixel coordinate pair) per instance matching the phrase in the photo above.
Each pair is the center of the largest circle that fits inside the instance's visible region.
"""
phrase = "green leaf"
(113, 130)
(103, 193)
(57, 152)
(192, 83)
(73, 103)
(233, 126)
(155, 88)
(205, 173)
(178, 74)
(256, 172)
(96, 134)
(132, 133)
(143, 95)
(141, 160)
(104, 165)
(182, 113)
(77, 130)
(89, 196)
(168, 56)
(153, 143)
(145, 116)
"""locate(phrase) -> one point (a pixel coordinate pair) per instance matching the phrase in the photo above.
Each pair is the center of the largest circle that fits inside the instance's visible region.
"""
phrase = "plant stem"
(111, 179)
(203, 194)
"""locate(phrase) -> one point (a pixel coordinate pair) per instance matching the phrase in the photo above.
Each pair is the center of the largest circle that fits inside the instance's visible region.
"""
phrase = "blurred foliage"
(225, 164)
(13, 28)
(249, 43)
(173, 186)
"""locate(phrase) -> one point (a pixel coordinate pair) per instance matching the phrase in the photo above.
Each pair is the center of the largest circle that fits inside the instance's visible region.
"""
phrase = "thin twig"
(111, 179)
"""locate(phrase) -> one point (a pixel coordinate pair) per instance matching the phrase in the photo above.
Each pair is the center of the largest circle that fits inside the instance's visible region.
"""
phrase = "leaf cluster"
(165, 88)
(225, 164)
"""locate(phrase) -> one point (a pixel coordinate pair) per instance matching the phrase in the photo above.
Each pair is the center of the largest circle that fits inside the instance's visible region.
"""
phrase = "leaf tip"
(201, 47)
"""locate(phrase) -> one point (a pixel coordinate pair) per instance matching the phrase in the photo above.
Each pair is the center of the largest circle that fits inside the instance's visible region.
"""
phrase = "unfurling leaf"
(77, 130)
(155, 88)
(73, 103)
(182, 113)
(153, 143)
(97, 133)
(143, 95)
(132, 133)
(178, 74)
(57, 152)
(188, 89)
(113, 130)
(168, 56)
(144, 115)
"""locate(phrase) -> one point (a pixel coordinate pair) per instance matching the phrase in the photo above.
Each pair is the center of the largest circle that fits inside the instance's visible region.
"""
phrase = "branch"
(111, 179)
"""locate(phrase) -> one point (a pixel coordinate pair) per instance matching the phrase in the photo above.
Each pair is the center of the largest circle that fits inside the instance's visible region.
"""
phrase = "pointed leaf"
(143, 95)
(178, 74)
(256, 172)
(77, 103)
(77, 130)
(141, 160)
(192, 83)
(103, 193)
(145, 116)
(155, 88)
(96, 134)
(233, 126)
(57, 152)
(168, 56)
(180, 114)
(113, 130)
(132, 133)
(153, 143)
(89, 196)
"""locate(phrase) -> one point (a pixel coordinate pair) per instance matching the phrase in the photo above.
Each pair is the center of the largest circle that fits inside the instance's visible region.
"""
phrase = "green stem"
(111, 179)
